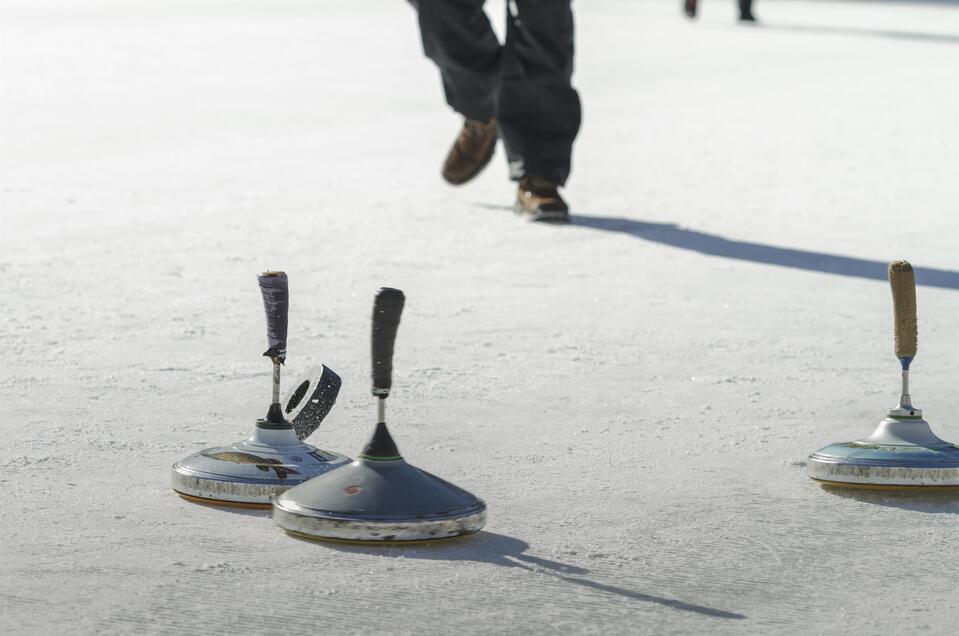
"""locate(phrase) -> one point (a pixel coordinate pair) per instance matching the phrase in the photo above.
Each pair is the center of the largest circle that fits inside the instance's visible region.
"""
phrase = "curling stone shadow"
(498, 549)
(714, 245)
(246, 512)
(941, 503)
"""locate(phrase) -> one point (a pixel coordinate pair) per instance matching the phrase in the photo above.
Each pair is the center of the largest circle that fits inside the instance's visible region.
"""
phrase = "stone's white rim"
(881, 473)
(226, 489)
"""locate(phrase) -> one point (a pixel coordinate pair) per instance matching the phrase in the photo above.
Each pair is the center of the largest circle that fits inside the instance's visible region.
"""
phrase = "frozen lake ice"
(634, 395)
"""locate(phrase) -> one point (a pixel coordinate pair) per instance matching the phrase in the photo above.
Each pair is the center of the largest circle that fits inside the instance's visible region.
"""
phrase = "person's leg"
(538, 109)
(458, 37)
(746, 11)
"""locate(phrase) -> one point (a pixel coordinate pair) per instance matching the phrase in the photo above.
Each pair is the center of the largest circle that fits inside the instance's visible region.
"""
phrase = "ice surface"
(633, 395)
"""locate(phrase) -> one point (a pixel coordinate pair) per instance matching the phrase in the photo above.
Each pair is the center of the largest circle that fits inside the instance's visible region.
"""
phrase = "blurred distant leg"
(458, 37)
(690, 6)
(746, 11)
(538, 109)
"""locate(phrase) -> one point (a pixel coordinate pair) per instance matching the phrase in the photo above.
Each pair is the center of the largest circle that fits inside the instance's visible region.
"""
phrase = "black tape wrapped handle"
(387, 309)
(275, 288)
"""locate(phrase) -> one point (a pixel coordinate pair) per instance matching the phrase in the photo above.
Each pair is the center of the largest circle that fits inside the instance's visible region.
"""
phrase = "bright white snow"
(634, 395)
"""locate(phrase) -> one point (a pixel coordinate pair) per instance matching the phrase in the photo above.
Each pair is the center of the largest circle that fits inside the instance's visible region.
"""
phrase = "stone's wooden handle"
(902, 280)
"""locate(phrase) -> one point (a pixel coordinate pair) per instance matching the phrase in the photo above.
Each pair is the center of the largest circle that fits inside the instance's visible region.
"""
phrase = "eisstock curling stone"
(379, 498)
(251, 472)
(903, 453)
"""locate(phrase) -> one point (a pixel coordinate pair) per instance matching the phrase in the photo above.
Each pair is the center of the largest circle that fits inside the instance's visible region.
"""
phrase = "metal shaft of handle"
(905, 400)
(276, 381)
(381, 410)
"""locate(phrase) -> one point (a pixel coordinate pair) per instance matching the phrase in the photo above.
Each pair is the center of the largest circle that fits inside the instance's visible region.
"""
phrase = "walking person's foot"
(471, 151)
(746, 11)
(539, 200)
(689, 6)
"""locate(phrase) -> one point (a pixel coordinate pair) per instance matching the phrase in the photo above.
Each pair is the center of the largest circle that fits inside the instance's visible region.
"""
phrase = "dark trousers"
(524, 83)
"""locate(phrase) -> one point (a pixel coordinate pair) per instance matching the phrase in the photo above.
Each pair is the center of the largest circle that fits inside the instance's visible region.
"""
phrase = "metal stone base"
(902, 454)
(379, 501)
(315, 524)
(252, 472)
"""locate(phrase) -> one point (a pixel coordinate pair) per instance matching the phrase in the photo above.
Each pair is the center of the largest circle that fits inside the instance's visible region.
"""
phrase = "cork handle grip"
(387, 308)
(902, 280)
(276, 301)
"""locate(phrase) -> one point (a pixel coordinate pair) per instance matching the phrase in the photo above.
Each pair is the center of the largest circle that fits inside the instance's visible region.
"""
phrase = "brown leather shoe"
(471, 151)
(539, 199)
